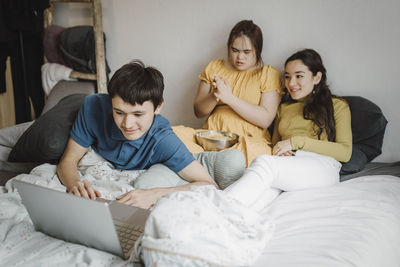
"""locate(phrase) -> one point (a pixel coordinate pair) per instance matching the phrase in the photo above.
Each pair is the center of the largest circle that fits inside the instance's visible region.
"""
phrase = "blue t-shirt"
(95, 126)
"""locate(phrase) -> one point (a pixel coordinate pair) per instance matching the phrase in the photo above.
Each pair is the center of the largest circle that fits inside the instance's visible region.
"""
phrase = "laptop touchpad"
(129, 214)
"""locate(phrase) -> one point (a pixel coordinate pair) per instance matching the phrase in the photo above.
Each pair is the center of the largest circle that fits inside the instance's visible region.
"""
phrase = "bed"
(354, 223)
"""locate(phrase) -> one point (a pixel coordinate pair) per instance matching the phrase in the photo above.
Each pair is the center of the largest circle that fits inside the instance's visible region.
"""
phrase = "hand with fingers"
(222, 89)
(142, 198)
(283, 148)
(83, 188)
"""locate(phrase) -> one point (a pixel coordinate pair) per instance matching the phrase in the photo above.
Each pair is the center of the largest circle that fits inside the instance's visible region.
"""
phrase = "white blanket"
(355, 223)
(203, 227)
(52, 73)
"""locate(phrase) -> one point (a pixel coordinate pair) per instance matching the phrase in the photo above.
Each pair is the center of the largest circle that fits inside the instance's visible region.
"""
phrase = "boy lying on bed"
(125, 128)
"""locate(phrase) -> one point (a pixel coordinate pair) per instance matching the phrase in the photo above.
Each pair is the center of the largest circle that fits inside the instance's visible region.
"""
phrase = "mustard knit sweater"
(290, 124)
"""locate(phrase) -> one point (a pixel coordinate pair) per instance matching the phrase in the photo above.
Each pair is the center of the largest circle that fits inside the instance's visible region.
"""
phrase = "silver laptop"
(101, 224)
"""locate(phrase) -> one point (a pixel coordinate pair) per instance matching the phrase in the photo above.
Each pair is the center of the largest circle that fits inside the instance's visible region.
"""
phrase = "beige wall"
(7, 112)
(359, 41)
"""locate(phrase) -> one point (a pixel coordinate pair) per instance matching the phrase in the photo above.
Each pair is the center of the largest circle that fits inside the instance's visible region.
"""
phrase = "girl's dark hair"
(318, 105)
(250, 30)
(135, 83)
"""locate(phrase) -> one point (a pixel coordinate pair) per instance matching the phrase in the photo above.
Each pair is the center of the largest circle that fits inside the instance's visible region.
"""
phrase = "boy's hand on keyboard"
(142, 198)
(83, 188)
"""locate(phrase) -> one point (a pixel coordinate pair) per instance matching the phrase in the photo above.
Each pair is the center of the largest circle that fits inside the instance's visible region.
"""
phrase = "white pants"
(268, 175)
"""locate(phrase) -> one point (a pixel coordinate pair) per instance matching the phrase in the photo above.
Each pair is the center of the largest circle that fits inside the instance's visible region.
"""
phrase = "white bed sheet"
(355, 223)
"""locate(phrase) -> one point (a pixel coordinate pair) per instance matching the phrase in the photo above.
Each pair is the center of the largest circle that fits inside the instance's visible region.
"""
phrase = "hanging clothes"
(21, 38)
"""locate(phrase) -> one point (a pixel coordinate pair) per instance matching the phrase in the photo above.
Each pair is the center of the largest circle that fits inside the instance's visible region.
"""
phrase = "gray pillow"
(8, 138)
(45, 140)
(66, 88)
(356, 163)
(10, 135)
(16, 167)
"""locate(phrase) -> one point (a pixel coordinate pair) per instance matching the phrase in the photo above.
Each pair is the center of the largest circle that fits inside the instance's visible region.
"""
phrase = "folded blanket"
(52, 73)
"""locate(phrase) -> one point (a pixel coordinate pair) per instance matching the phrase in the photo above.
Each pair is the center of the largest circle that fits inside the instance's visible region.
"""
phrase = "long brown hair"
(318, 105)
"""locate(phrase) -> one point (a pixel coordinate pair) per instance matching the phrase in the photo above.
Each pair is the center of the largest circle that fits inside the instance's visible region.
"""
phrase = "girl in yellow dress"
(240, 95)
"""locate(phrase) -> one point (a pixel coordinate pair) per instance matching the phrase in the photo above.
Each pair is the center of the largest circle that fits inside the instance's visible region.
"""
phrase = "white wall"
(359, 41)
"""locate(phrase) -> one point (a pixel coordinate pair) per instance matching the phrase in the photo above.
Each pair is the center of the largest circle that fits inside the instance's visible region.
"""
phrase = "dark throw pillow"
(356, 163)
(45, 140)
(368, 125)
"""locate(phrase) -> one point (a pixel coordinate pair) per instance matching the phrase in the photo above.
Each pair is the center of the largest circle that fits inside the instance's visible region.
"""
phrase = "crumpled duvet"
(21, 245)
(203, 227)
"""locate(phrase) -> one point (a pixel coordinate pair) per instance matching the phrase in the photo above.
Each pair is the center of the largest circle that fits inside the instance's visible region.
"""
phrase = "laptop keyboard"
(128, 234)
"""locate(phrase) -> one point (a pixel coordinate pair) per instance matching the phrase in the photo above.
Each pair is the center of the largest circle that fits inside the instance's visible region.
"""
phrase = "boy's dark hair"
(135, 83)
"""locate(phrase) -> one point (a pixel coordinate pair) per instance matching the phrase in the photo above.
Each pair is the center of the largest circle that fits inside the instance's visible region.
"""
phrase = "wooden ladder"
(100, 76)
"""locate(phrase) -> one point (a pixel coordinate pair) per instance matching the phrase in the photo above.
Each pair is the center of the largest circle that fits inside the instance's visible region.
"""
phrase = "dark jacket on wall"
(21, 38)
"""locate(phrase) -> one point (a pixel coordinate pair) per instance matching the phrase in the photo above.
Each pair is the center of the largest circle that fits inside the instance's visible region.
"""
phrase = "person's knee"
(236, 156)
(225, 166)
(158, 175)
(232, 159)
(265, 165)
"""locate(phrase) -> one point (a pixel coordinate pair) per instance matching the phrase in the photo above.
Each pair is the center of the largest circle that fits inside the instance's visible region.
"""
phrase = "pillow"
(45, 140)
(368, 125)
(10, 135)
(8, 138)
(356, 163)
(15, 167)
(65, 88)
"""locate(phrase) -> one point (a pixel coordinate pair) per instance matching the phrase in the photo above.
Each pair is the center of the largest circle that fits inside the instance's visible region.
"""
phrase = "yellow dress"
(247, 85)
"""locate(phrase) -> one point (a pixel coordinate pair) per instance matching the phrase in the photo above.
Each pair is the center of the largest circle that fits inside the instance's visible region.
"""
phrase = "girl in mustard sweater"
(312, 135)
